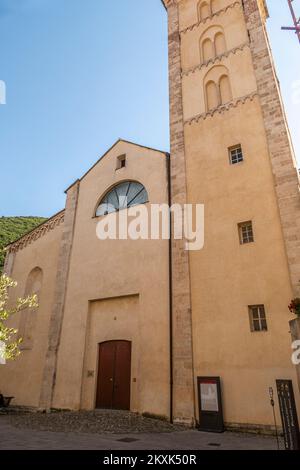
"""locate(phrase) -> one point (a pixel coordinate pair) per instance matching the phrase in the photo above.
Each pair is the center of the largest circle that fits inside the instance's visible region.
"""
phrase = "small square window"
(236, 155)
(121, 162)
(246, 233)
(257, 316)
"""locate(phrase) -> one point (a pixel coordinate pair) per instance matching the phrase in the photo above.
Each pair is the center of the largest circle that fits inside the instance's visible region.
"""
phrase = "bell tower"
(231, 151)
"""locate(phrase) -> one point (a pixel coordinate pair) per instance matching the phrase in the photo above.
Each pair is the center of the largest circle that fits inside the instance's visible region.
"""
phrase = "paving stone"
(64, 431)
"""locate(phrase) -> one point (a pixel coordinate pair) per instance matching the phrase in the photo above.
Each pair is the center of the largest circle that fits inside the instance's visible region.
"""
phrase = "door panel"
(114, 375)
(121, 399)
(105, 376)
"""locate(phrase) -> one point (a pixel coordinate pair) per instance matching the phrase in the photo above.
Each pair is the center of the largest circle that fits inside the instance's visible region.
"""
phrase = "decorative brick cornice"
(221, 109)
(218, 58)
(36, 233)
(210, 17)
(261, 4)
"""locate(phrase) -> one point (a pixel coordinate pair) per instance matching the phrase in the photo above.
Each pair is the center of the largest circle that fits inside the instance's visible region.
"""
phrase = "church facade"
(133, 324)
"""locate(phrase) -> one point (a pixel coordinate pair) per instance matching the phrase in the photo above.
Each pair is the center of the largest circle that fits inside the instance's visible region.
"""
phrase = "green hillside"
(12, 228)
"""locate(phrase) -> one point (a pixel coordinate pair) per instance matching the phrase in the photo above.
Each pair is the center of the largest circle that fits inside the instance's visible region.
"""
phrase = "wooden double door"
(114, 375)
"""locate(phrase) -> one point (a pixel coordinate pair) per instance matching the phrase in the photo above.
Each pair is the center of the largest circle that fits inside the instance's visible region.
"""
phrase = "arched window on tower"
(28, 317)
(212, 43)
(225, 89)
(208, 51)
(217, 87)
(220, 44)
(203, 10)
(212, 95)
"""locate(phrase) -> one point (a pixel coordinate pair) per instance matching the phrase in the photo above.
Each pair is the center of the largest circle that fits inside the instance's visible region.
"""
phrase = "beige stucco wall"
(231, 23)
(188, 10)
(242, 81)
(226, 277)
(102, 270)
(238, 63)
(120, 289)
(108, 320)
(22, 377)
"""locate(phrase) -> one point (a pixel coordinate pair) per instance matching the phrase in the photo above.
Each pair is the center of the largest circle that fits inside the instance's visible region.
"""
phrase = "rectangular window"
(121, 162)
(236, 155)
(258, 320)
(246, 233)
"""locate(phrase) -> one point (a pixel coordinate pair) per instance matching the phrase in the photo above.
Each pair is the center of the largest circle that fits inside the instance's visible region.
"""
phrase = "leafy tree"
(12, 228)
(10, 345)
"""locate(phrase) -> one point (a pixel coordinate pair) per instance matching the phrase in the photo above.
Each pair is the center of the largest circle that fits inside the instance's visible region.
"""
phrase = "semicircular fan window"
(122, 196)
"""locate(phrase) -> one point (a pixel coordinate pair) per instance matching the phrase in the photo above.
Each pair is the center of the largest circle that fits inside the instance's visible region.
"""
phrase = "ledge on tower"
(262, 5)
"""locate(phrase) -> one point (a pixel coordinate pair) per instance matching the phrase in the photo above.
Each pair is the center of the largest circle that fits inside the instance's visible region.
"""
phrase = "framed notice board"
(210, 404)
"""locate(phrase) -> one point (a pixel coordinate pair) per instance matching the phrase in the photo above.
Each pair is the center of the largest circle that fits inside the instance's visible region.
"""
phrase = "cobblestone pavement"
(81, 431)
(90, 422)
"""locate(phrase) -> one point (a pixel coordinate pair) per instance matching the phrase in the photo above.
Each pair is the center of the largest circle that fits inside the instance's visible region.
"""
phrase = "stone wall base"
(187, 422)
(14, 409)
(262, 429)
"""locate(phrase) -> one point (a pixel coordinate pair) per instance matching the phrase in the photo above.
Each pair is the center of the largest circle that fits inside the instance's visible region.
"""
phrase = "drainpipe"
(170, 289)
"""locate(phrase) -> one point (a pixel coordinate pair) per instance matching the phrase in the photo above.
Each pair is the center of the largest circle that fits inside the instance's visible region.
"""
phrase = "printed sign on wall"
(210, 404)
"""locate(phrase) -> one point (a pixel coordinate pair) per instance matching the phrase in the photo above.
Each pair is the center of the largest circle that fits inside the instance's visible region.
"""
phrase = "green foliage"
(12, 228)
(294, 306)
(11, 346)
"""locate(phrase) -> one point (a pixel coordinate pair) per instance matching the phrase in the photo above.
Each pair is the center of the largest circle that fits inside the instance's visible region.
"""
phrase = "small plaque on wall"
(210, 404)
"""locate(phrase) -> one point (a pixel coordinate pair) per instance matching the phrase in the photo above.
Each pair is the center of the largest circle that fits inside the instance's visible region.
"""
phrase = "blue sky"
(82, 73)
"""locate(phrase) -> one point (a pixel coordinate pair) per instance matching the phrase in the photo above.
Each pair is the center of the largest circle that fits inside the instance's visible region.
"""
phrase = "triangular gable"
(109, 150)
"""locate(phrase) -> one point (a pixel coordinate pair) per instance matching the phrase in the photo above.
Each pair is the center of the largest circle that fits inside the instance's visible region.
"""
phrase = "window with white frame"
(257, 316)
(236, 155)
(246, 233)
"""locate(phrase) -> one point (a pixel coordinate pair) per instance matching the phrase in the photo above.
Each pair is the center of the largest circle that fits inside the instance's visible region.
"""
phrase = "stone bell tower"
(231, 150)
